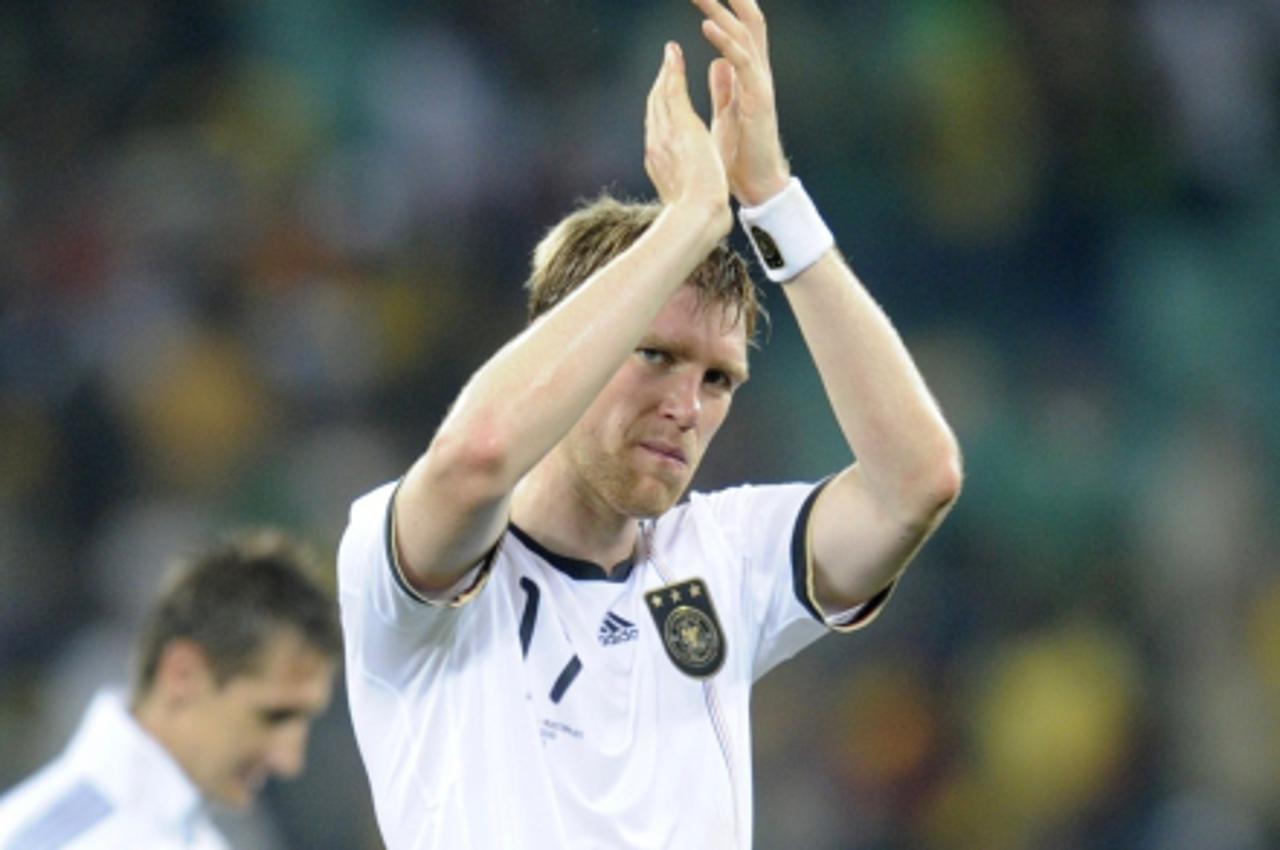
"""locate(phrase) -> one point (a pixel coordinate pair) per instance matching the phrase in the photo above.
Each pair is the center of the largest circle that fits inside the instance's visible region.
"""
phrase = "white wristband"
(787, 232)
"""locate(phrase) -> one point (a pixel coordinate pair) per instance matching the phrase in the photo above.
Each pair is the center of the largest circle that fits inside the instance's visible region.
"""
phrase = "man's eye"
(277, 716)
(652, 355)
(718, 379)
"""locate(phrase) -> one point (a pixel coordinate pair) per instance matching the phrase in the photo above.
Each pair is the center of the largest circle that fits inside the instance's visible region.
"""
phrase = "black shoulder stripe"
(389, 541)
(800, 553)
(397, 570)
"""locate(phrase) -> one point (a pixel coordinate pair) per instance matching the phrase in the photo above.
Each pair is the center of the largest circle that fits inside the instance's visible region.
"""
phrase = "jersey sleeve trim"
(460, 593)
(803, 576)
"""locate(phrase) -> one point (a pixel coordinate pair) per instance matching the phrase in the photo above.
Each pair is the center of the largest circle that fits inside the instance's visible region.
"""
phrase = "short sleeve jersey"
(113, 787)
(554, 705)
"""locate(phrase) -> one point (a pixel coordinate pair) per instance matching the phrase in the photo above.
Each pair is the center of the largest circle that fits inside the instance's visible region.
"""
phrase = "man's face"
(255, 725)
(638, 445)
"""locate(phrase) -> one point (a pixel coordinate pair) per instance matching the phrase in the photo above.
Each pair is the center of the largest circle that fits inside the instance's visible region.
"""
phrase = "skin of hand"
(744, 122)
(681, 157)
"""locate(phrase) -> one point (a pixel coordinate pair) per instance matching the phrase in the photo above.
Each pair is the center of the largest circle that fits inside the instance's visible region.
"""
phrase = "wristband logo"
(769, 253)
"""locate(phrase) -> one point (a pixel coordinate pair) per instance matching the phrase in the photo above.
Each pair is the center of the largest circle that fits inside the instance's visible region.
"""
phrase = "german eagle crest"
(690, 630)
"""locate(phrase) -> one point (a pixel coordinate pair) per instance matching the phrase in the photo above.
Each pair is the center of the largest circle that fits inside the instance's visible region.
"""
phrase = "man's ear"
(183, 672)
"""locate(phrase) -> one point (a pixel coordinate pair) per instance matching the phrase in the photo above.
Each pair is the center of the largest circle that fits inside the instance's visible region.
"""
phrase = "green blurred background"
(249, 251)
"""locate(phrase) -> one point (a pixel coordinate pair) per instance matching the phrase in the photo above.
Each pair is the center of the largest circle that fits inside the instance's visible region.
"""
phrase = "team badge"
(690, 630)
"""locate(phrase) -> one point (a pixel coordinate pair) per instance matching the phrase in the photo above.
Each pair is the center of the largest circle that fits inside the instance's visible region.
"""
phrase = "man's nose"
(682, 401)
(288, 754)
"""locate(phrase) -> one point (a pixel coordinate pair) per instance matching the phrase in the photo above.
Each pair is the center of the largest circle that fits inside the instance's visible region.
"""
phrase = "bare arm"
(876, 514)
(453, 503)
(873, 518)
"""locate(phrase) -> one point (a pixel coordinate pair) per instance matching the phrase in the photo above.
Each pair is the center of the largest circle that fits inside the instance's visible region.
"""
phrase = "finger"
(655, 120)
(676, 85)
(720, 80)
(659, 80)
(729, 47)
(748, 12)
(658, 106)
(726, 20)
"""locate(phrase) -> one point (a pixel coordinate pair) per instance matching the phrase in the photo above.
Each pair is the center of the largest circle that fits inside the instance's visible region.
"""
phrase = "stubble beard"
(629, 491)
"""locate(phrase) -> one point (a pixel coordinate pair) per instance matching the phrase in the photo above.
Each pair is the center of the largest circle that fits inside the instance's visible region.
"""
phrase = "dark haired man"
(237, 658)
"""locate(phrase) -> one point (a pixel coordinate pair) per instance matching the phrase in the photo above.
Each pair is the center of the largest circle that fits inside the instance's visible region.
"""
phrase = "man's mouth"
(253, 781)
(673, 454)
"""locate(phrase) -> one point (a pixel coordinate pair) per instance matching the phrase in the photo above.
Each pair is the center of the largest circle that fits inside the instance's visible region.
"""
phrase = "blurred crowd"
(250, 251)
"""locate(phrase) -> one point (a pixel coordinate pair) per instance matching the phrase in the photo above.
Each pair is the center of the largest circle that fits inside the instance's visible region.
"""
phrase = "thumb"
(720, 78)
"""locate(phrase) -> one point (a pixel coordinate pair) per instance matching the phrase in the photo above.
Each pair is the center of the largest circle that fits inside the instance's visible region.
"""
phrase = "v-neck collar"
(576, 568)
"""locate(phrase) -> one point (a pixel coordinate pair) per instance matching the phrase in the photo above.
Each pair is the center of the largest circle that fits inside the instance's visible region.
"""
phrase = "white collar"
(132, 767)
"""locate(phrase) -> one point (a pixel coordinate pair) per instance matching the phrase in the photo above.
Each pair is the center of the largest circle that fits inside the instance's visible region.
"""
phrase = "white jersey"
(552, 705)
(113, 788)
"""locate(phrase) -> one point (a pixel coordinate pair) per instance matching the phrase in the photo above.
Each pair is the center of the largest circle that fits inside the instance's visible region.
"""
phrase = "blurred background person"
(236, 241)
(237, 658)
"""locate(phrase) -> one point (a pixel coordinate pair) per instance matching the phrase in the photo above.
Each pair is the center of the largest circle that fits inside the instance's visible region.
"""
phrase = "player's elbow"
(940, 480)
(472, 464)
(924, 489)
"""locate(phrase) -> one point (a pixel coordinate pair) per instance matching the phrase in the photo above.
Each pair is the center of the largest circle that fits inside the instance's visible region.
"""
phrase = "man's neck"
(157, 719)
(570, 521)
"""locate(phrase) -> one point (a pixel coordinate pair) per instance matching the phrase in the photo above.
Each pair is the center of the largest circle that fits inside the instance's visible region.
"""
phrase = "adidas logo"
(615, 629)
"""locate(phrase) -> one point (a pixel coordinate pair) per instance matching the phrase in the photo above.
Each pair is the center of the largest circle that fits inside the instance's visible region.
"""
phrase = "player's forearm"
(516, 408)
(905, 449)
(524, 400)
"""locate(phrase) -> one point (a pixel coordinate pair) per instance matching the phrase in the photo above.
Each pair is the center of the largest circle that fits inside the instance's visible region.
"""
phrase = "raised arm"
(453, 503)
(875, 514)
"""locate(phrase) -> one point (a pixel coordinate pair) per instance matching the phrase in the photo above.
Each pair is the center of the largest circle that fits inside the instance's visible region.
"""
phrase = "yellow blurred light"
(1053, 721)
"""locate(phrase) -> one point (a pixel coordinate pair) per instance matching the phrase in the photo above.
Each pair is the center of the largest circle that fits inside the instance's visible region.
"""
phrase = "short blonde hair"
(596, 232)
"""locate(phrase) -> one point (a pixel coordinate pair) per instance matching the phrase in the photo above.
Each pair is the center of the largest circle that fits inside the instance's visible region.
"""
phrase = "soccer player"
(237, 657)
(546, 648)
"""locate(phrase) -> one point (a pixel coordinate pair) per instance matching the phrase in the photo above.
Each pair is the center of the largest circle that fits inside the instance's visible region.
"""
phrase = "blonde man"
(547, 648)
